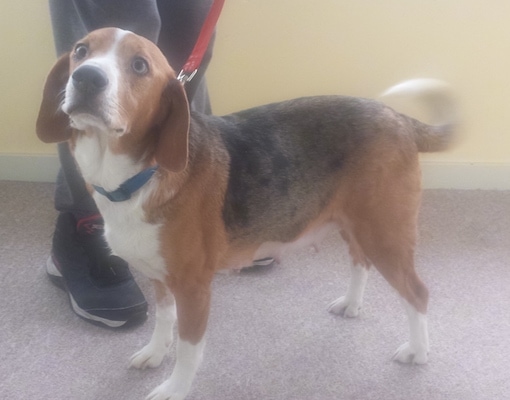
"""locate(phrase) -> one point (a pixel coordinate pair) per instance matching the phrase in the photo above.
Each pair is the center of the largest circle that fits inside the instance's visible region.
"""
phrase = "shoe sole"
(263, 262)
(58, 280)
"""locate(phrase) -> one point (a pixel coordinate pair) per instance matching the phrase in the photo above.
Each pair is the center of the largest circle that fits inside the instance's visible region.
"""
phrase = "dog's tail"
(439, 98)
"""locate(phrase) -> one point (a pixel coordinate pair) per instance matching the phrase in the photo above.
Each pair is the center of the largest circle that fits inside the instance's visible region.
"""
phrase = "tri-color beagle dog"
(185, 195)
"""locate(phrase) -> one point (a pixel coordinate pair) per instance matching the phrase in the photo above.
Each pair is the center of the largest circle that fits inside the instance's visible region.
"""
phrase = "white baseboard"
(436, 175)
(29, 167)
(464, 175)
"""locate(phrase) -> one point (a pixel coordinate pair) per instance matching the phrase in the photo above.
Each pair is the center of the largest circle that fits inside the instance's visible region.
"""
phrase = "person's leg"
(71, 193)
(181, 23)
(138, 16)
(100, 286)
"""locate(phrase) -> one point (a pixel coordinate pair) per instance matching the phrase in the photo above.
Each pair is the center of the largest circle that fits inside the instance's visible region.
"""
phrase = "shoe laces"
(104, 266)
(91, 225)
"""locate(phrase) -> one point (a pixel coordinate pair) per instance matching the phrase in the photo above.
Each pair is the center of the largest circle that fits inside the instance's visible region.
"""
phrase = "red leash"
(194, 60)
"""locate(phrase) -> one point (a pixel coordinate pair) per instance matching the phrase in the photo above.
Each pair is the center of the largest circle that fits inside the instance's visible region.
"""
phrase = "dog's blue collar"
(129, 187)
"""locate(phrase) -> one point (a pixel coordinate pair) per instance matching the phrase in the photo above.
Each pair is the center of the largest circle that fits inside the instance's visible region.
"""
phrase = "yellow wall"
(27, 53)
(269, 50)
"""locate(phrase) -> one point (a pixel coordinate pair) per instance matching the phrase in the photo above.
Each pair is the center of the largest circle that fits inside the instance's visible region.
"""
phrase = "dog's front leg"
(153, 353)
(193, 300)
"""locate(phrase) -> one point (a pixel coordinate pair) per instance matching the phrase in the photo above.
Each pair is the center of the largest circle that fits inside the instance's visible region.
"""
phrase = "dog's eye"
(80, 52)
(140, 66)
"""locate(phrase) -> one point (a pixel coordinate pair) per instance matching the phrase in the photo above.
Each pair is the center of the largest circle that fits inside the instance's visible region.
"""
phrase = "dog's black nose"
(89, 80)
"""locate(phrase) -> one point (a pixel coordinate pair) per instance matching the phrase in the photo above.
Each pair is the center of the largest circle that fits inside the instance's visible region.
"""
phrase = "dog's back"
(289, 160)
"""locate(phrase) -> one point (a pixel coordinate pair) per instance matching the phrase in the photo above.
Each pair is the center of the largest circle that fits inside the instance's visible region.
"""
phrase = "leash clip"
(184, 77)
(202, 43)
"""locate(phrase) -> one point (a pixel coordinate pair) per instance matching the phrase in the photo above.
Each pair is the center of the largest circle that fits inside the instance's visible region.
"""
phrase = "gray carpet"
(269, 335)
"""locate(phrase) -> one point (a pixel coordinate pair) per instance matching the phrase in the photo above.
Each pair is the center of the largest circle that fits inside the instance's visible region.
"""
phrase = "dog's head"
(118, 84)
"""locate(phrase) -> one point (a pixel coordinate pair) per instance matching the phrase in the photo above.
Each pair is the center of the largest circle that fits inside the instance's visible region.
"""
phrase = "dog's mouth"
(85, 121)
(74, 108)
(85, 116)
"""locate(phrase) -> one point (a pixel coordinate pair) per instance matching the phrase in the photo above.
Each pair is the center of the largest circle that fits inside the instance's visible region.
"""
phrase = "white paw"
(408, 355)
(169, 391)
(344, 306)
(150, 356)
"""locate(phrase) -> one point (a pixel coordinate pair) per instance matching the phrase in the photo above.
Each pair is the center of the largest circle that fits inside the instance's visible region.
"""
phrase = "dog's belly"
(133, 239)
(310, 238)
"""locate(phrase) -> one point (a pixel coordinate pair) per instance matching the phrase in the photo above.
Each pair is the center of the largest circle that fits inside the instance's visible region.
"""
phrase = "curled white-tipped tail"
(438, 97)
(418, 86)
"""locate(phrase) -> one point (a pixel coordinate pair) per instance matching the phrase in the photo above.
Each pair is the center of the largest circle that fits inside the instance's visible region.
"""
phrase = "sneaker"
(100, 287)
(263, 262)
(259, 265)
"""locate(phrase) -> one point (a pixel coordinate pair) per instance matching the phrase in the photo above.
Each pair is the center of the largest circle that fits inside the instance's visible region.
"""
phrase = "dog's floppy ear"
(52, 123)
(173, 132)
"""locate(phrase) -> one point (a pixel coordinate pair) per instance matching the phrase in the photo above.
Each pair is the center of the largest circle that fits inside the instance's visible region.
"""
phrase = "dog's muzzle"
(85, 92)
(89, 80)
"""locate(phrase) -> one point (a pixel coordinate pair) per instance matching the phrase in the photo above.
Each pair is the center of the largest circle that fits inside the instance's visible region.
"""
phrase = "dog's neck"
(129, 187)
(99, 164)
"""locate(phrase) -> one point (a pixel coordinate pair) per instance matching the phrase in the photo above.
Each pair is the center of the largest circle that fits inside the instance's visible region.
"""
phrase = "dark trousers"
(173, 24)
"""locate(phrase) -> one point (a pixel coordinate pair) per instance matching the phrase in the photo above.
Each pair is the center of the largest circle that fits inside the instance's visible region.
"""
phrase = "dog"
(184, 194)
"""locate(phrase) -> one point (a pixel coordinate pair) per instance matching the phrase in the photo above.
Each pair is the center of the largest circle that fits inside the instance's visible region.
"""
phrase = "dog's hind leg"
(153, 353)
(416, 350)
(350, 304)
(388, 241)
(400, 273)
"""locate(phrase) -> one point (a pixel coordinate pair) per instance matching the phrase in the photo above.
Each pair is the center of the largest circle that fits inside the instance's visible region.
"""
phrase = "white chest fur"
(131, 237)
(127, 232)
